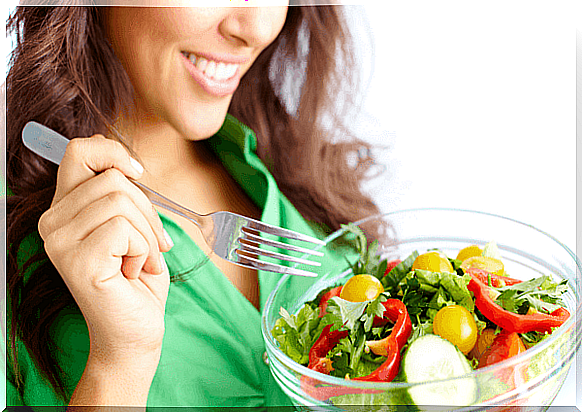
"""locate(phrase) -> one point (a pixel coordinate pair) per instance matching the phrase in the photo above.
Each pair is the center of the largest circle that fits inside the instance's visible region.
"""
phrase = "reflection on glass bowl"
(531, 379)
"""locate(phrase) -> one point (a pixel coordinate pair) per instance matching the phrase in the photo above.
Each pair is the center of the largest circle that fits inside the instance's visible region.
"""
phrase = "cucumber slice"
(430, 358)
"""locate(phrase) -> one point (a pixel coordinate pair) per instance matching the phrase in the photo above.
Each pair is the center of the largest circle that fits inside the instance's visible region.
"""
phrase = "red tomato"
(505, 345)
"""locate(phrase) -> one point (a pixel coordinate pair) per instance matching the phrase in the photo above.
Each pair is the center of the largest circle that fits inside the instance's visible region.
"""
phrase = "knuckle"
(119, 224)
(112, 145)
(44, 224)
(76, 148)
(118, 199)
(120, 202)
(114, 177)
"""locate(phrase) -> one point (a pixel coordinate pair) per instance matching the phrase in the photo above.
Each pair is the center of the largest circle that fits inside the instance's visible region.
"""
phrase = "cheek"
(281, 18)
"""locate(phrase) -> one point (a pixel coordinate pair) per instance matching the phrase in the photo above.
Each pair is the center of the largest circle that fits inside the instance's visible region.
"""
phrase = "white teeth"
(220, 71)
(210, 70)
(231, 70)
(217, 71)
(201, 64)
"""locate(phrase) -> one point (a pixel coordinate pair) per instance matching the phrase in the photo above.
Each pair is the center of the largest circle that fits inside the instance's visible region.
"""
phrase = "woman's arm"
(124, 384)
(105, 239)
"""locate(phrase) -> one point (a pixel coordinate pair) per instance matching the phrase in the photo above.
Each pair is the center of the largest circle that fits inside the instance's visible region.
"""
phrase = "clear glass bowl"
(531, 379)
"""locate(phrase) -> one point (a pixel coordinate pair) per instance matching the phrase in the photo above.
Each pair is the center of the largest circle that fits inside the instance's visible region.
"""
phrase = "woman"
(110, 301)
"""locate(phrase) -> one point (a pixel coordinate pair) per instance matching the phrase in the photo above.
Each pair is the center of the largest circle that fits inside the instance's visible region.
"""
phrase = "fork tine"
(251, 236)
(278, 231)
(254, 249)
(252, 263)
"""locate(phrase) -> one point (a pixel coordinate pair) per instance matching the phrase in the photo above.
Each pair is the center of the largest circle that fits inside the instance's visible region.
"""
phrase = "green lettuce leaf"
(297, 333)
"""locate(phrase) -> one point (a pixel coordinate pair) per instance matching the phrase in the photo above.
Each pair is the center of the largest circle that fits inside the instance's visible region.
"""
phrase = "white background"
(477, 101)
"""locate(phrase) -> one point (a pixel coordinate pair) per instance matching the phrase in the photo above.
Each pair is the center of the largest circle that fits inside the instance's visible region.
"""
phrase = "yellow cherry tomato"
(468, 252)
(433, 261)
(456, 324)
(491, 265)
(361, 288)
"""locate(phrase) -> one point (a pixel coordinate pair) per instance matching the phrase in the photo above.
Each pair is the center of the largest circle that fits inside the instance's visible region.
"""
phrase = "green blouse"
(212, 354)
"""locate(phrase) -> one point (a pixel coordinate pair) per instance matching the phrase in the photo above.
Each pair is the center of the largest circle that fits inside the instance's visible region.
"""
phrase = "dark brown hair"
(64, 74)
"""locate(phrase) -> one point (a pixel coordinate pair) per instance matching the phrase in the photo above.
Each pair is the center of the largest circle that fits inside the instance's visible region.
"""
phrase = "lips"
(216, 77)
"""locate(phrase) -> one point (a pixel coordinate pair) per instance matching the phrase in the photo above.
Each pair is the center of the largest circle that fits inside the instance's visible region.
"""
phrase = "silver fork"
(231, 236)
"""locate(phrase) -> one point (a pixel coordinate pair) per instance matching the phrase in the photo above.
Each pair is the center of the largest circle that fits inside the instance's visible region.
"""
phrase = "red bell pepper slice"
(320, 363)
(396, 312)
(326, 342)
(325, 299)
(510, 321)
(391, 265)
(390, 367)
(391, 346)
(496, 280)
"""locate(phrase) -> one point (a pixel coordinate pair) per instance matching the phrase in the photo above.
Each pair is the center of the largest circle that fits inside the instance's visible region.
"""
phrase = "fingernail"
(168, 239)
(136, 165)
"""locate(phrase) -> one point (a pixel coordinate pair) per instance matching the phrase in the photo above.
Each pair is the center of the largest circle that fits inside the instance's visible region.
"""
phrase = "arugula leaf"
(391, 281)
(369, 258)
(438, 301)
(357, 349)
(508, 300)
(366, 367)
(420, 329)
(341, 366)
(382, 266)
(456, 264)
(378, 331)
(541, 293)
(533, 337)
(416, 302)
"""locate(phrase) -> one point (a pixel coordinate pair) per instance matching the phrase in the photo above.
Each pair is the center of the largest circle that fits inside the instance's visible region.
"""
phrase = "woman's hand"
(105, 238)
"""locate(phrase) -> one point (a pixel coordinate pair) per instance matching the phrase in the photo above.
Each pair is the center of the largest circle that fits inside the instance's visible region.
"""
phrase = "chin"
(203, 125)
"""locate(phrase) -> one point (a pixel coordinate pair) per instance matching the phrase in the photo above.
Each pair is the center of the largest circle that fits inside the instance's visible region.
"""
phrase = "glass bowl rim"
(574, 321)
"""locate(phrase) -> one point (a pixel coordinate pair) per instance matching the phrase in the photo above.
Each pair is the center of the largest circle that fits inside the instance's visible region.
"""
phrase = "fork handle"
(44, 141)
(51, 145)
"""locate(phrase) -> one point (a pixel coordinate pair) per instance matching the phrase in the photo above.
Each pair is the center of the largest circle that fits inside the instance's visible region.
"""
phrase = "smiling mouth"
(212, 69)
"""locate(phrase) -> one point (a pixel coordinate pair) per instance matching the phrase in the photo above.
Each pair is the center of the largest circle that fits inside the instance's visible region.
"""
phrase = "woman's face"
(186, 63)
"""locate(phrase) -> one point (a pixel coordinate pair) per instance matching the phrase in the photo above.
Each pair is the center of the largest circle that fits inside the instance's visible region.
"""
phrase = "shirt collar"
(238, 133)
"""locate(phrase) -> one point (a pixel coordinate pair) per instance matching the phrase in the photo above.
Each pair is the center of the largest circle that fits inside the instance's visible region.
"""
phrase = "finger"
(158, 285)
(117, 204)
(98, 187)
(132, 266)
(86, 157)
(116, 239)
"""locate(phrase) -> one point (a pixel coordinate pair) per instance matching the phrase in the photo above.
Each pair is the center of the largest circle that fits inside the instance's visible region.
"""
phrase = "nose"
(253, 26)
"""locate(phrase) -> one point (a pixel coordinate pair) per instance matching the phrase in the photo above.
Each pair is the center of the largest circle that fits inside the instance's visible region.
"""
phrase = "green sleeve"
(34, 389)
(13, 397)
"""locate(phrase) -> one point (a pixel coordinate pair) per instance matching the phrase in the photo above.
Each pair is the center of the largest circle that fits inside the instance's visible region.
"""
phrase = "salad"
(427, 317)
